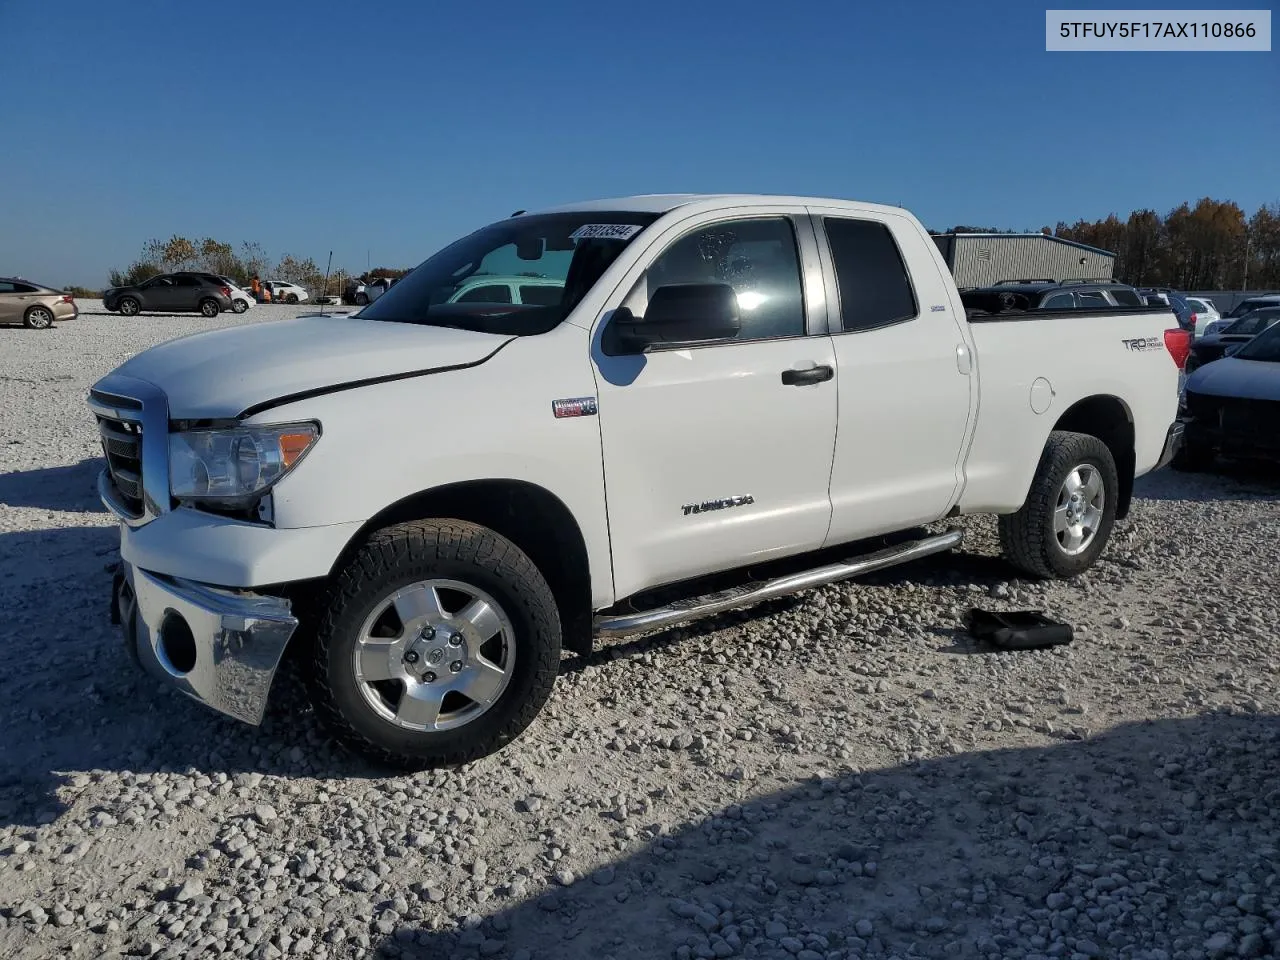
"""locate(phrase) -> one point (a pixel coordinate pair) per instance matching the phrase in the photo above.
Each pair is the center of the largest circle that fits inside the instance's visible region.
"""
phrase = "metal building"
(983, 259)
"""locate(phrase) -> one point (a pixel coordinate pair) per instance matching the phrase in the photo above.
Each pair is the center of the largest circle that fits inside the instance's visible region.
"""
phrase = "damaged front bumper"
(218, 646)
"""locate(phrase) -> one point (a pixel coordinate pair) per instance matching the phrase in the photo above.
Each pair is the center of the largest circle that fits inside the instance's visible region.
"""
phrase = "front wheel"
(209, 308)
(362, 299)
(38, 318)
(438, 643)
(239, 306)
(130, 307)
(1069, 512)
(291, 298)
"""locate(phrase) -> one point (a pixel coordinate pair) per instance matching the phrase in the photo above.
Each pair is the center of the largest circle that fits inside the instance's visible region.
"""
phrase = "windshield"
(1248, 306)
(1264, 347)
(567, 252)
(1253, 323)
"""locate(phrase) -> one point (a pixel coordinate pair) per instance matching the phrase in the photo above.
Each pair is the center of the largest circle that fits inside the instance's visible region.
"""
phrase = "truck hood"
(1232, 377)
(222, 373)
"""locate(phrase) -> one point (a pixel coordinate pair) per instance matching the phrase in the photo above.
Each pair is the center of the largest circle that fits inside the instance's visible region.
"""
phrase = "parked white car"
(448, 493)
(284, 292)
(241, 299)
(1205, 313)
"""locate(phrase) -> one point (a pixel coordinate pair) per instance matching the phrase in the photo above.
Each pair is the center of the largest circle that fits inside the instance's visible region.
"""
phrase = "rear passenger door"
(903, 361)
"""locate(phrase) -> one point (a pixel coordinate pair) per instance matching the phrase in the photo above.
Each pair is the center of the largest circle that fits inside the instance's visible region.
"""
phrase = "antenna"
(327, 268)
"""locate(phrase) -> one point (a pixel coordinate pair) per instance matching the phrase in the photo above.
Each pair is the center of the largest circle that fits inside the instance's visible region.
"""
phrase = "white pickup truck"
(428, 499)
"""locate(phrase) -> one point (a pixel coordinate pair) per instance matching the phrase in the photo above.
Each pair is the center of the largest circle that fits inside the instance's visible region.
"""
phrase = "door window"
(1093, 299)
(490, 293)
(758, 258)
(1060, 301)
(875, 288)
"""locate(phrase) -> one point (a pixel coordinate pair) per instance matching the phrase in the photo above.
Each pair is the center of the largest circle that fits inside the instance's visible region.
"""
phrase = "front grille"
(122, 446)
(1249, 424)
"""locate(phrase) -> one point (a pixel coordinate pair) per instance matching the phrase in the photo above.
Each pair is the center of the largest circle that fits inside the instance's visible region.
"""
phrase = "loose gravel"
(841, 775)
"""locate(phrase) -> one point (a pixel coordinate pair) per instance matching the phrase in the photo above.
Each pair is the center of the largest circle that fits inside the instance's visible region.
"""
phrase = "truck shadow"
(969, 855)
(73, 487)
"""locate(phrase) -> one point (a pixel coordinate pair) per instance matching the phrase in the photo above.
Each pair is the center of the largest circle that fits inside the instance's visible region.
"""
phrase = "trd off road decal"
(1144, 343)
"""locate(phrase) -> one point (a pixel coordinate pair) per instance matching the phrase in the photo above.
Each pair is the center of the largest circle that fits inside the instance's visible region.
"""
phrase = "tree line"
(1212, 245)
(241, 264)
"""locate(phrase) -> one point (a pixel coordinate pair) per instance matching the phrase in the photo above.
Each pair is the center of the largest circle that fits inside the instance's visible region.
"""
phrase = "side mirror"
(680, 313)
(1232, 350)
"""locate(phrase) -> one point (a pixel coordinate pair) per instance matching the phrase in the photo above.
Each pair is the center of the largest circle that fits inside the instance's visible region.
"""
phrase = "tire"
(291, 298)
(1193, 457)
(239, 306)
(1031, 538)
(362, 299)
(209, 307)
(130, 307)
(38, 318)
(373, 714)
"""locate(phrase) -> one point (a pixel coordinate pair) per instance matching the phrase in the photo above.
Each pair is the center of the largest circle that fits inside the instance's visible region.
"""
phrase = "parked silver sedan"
(34, 305)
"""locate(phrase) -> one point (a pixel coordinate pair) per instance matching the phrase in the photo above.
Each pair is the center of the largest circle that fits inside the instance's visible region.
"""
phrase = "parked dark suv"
(171, 293)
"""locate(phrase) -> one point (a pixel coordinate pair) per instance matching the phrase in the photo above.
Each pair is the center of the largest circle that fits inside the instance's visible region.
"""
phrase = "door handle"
(799, 378)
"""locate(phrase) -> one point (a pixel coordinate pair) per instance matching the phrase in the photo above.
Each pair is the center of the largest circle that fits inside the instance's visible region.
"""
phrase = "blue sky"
(392, 128)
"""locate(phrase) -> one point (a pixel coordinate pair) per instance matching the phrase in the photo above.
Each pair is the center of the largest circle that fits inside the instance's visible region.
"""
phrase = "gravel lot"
(840, 775)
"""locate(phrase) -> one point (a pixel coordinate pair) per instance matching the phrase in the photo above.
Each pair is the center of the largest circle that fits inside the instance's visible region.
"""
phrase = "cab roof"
(665, 202)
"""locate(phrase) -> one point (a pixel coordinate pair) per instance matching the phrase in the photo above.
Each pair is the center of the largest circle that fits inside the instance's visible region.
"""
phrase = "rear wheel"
(1067, 518)
(362, 299)
(38, 318)
(130, 307)
(438, 643)
(209, 307)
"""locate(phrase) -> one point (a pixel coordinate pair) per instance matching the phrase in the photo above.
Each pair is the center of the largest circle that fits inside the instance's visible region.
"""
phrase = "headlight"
(233, 466)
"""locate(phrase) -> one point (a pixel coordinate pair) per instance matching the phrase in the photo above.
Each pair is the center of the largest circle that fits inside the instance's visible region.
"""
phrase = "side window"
(758, 258)
(1059, 301)
(1093, 299)
(7, 287)
(875, 288)
(1126, 298)
(186, 282)
(542, 295)
(493, 293)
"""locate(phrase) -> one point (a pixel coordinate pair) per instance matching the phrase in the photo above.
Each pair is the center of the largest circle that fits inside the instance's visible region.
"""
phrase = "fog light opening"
(176, 644)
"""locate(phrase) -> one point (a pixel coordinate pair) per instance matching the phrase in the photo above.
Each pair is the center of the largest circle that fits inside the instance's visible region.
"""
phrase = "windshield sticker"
(605, 231)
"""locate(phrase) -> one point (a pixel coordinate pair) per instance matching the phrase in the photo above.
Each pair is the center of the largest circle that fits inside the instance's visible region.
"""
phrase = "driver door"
(718, 454)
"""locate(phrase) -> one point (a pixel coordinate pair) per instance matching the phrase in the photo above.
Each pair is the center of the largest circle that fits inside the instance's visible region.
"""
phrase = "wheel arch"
(1108, 418)
(532, 517)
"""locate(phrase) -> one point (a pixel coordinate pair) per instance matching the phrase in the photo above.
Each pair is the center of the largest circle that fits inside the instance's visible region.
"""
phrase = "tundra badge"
(707, 505)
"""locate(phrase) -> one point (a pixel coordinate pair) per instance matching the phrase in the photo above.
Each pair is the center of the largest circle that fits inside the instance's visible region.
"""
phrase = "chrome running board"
(750, 594)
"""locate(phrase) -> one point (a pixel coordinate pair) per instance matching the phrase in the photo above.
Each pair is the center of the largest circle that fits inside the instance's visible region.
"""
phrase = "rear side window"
(875, 289)
(7, 287)
(1094, 300)
(543, 295)
(1128, 298)
(493, 293)
(1060, 301)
